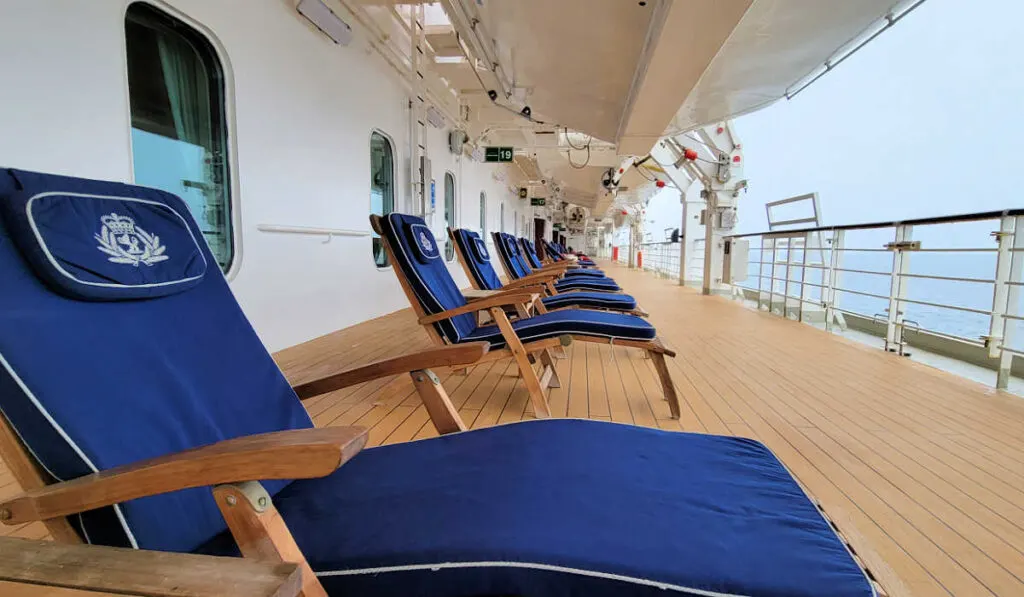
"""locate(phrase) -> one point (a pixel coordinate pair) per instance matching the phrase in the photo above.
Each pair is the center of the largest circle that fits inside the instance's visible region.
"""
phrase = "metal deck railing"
(953, 277)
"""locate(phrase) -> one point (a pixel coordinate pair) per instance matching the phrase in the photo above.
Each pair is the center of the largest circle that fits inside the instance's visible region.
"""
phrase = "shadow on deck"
(923, 470)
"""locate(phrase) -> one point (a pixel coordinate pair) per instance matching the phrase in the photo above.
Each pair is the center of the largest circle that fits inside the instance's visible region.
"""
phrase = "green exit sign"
(538, 201)
(498, 154)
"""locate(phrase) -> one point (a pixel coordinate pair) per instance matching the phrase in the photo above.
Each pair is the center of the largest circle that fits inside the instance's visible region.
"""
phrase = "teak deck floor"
(922, 470)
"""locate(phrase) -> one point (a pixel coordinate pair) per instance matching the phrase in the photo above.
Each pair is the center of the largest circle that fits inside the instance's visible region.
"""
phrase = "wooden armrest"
(509, 299)
(444, 356)
(294, 454)
(30, 567)
(535, 278)
(536, 288)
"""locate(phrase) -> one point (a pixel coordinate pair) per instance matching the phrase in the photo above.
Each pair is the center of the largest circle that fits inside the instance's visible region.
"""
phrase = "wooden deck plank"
(923, 470)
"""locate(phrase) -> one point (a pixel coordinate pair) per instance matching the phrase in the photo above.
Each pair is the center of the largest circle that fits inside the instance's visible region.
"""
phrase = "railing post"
(803, 277)
(898, 288)
(831, 296)
(1004, 239)
(1012, 284)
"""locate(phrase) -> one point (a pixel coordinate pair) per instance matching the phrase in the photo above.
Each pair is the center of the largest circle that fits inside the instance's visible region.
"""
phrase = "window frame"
(483, 216)
(394, 192)
(219, 52)
(449, 246)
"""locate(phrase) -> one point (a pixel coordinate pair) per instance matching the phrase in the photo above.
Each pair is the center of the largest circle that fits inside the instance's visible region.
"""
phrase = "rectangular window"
(382, 187)
(178, 118)
(449, 213)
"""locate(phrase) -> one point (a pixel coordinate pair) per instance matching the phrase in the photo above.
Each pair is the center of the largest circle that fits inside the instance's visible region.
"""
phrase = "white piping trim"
(63, 272)
(531, 566)
(63, 434)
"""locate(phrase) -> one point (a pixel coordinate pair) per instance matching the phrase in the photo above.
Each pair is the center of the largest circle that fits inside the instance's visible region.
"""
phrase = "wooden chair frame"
(526, 354)
(230, 466)
(544, 278)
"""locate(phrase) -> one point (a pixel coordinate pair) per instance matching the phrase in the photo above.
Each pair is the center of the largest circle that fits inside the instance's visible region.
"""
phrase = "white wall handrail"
(312, 231)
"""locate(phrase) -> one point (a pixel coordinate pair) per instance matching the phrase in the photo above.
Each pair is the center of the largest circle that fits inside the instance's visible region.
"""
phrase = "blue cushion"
(477, 259)
(531, 253)
(92, 385)
(421, 242)
(567, 507)
(431, 282)
(585, 273)
(589, 283)
(594, 300)
(480, 249)
(581, 322)
(510, 255)
(101, 242)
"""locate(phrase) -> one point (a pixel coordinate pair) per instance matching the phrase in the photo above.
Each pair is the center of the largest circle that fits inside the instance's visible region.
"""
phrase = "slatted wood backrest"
(416, 307)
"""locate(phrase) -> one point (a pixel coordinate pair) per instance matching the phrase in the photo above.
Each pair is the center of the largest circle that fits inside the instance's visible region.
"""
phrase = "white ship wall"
(302, 111)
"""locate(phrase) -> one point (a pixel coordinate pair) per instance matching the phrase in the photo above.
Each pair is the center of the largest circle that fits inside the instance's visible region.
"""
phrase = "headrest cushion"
(101, 241)
(421, 239)
(479, 249)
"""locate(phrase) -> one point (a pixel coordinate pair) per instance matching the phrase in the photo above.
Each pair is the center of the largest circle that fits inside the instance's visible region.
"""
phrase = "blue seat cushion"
(594, 283)
(477, 259)
(585, 273)
(417, 256)
(593, 300)
(567, 507)
(581, 322)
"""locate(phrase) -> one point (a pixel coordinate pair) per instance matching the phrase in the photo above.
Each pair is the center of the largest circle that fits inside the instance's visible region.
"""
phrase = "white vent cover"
(324, 19)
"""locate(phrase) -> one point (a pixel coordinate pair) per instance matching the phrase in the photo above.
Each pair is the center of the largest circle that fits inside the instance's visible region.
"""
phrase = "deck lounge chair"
(535, 262)
(511, 257)
(132, 385)
(449, 319)
(476, 262)
(558, 253)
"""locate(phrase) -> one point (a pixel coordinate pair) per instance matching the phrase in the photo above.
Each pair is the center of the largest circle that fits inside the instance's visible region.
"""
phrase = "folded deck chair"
(449, 319)
(476, 262)
(131, 385)
(537, 264)
(512, 261)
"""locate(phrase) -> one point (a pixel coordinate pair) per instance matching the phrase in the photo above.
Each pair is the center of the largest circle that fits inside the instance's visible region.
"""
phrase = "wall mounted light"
(324, 19)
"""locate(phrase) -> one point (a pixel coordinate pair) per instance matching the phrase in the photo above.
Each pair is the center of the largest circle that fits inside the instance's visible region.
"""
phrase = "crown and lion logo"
(126, 243)
(428, 246)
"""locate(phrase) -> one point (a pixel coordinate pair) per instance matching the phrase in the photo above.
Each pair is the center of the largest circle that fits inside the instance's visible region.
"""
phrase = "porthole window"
(449, 213)
(382, 187)
(180, 138)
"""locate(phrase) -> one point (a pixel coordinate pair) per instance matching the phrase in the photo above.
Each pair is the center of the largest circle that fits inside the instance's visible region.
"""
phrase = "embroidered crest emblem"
(126, 243)
(426, 243)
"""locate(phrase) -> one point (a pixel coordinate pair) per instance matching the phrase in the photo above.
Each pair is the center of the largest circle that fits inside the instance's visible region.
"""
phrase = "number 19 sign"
(498, 154)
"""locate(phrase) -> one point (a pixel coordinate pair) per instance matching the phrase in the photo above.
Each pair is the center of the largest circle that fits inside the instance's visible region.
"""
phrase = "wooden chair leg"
(439, 406)
(260, 532)
(540, 402)
(463, 371)
(666, 382)
(549, 364)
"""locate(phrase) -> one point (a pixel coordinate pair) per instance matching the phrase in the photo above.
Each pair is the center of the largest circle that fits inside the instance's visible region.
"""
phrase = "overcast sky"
(926, 120)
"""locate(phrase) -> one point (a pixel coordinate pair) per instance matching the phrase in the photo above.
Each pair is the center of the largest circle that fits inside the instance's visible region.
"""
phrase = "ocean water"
(959, 258)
